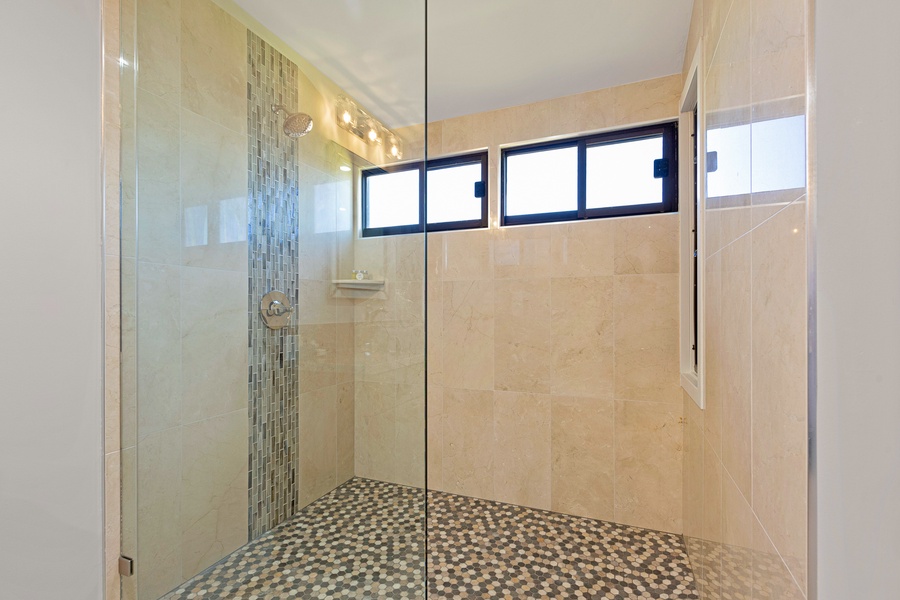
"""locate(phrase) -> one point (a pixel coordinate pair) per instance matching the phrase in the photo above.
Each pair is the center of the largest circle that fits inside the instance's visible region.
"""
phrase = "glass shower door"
(272, 410)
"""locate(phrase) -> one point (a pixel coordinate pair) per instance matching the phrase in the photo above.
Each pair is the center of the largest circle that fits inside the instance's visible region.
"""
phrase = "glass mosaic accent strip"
(273, 254)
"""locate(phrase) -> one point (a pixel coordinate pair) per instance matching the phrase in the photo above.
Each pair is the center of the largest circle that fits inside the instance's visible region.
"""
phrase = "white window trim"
(692, 96)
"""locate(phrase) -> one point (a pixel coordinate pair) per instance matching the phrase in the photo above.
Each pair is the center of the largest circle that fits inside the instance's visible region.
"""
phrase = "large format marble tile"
(583, 249)
(410, 441)
(214, 490)
(214, 64)
(158, 34)
(646, 338)
(158, 161)
(346, 424)
(582, 336)
(468, 334)
(583, 457)
(159, 500)
(317, 443)
(467, 255)
(317, 356)
(522, 335)
(647, 244)
(522, 449)
(649, 450)
(522, 252)
(735, 359)
(214, 342)
(779, 443)
(647, 101)
(159, 391)
(578, 113)
(468, 442)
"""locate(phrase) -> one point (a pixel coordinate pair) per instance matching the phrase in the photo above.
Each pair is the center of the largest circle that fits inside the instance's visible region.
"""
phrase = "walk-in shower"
(393, 337)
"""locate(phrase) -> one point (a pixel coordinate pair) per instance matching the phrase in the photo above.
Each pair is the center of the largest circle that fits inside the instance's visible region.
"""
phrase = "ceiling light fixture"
(351, 117)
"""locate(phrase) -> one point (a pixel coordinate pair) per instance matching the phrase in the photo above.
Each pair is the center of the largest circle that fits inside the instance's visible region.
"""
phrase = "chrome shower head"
(295, 124)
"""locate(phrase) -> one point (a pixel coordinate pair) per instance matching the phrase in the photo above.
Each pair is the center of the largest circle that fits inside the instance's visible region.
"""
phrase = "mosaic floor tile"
(366, 540)
(483, 549)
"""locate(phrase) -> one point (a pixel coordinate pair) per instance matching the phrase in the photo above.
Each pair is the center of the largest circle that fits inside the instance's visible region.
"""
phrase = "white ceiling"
(482, 54)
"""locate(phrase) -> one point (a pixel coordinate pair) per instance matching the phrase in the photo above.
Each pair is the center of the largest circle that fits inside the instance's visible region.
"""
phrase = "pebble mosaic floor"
(366, 540)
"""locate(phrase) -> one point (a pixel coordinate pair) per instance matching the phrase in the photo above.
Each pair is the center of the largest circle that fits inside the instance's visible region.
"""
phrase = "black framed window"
(620, 173)
(444, 194)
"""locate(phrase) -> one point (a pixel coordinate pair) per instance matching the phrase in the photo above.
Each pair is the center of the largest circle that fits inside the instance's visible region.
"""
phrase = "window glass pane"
(542, 182)
(621, 174)
(451, 194)
(393, 199)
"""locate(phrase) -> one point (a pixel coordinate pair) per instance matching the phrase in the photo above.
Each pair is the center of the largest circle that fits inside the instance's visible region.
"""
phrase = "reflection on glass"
(232, 220)
(622, 174)
(779, 154)
(393, 199)
(761, 157)
(542, 182)
(195, 226)
(324, 207)
(732, 150)
(451, 194)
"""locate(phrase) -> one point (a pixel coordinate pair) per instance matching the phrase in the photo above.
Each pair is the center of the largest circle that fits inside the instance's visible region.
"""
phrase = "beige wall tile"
(522, 335)
(159, 499)
(214, 490)
(158, 154)
(779, 49)
(159, 348)
(583, 249)
(317, 356)
(410, 443)
(648, 465)
(579, 113)
(714, 393)
(522, 449)
(735, 360)
(711, 547)
(468, 442)
(650, 100)
(771, 577)
(468, 334)
(582, 336)
(693, 481)
(583, 457)
(521, 252)
(737, 538)
(434, 412)
(214, 342)
(467, 255)
(317, 443)
(646, 245)
(779, 383)
(346, 419)
(345, 349)
(375, 445)
(435, 328)
(646, 338)
(214, 64)
(159, 47)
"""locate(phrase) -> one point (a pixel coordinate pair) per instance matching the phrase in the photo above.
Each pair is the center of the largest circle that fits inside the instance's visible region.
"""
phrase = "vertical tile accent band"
(273, 254)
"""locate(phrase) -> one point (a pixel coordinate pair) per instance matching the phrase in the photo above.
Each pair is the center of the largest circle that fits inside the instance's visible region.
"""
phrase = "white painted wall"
(859, 299)
(51, 453)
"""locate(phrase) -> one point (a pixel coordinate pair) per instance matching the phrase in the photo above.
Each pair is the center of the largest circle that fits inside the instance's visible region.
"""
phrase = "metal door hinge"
(126, 566)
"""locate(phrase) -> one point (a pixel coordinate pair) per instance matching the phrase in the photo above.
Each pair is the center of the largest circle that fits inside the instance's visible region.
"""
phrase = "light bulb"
(394, 151)
(345, 168)
(346, 117)
(373, 135)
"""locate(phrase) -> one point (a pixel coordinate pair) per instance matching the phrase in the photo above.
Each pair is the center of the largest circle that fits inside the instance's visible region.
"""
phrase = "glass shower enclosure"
(273, 357)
